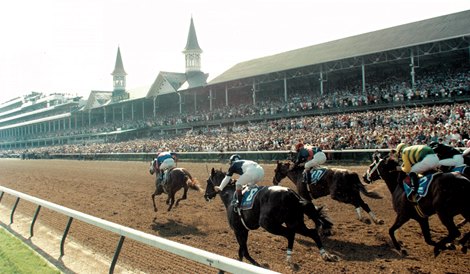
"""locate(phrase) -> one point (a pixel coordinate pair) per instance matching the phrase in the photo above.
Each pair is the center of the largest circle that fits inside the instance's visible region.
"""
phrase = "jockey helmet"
(234, 157)
(299, 146)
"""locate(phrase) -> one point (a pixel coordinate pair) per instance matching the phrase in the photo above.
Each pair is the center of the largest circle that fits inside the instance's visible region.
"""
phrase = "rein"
(238, 209)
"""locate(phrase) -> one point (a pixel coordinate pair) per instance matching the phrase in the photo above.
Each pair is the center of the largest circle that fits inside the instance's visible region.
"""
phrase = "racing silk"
(239, 167)
(414, 154)
(162, 156)
(306, 154)
(446, 152)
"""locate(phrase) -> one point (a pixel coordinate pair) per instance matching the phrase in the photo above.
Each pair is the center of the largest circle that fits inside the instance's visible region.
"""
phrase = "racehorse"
(447, 195)
(176, 179)
(271, 207)
(341, 185)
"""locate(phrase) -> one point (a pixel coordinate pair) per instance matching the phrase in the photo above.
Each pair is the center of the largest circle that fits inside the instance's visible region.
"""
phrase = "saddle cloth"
(424, 183)
(249, 194)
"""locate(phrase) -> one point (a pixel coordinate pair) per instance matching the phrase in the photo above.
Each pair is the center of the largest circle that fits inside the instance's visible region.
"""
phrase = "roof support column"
(89, 118)
(104, 115)
(253, 89)
(285, 89)
(363, 67)
(321, 81)
(154, 106)
(132, 111)
(226, 96)
(195, 102)
(412, 73)
(179, 101)
(122, 112)
(210, 99)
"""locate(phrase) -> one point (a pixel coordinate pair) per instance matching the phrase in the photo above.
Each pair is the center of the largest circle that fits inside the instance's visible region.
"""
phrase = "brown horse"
(342, 185)
(176, 179)
(447, 195)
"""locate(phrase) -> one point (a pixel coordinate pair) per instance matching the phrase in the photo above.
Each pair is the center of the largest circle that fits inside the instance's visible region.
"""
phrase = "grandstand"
(425, 63)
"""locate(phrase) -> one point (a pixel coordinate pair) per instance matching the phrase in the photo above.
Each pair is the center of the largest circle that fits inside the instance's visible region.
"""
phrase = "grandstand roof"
(425, 31)
(168, 82)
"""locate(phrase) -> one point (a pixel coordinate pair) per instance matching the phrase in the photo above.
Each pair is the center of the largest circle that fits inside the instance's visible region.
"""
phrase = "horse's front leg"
(154, 204)
(399, 221)
(242, 237)
(184, 197)
(424, 224)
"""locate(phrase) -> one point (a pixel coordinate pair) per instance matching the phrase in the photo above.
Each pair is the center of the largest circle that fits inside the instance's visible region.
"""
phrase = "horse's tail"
(362, 189)
(317, 214)
(193, 183)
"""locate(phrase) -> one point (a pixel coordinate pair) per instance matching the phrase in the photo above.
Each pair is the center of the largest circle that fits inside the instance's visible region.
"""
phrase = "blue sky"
(70, 45)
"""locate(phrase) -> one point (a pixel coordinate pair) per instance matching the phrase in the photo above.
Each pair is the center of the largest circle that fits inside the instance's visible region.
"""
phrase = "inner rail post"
(66, 231)
(116, 254)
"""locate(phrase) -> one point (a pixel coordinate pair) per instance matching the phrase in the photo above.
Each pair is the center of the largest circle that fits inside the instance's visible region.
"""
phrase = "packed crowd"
(369, 129)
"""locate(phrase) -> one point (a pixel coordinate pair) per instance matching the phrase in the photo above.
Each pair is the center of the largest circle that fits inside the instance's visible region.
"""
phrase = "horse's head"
(153, 166)
(215, 178)
(380, 168)
(282, 168)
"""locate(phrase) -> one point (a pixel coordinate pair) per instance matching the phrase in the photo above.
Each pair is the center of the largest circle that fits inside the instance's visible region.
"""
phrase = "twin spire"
(192, 53)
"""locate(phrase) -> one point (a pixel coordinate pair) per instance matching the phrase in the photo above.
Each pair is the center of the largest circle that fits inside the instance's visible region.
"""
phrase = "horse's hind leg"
(367, 209)
(313, 234)
(448, 222)
(170, 201)
(184, 197)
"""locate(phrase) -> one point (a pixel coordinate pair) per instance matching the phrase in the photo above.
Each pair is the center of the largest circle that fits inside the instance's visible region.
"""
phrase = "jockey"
(312, 157)
(448, 155)
(165, 161)
(417, 159)
(250, 174)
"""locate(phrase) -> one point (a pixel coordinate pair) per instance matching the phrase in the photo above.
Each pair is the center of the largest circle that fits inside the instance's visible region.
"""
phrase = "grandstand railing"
(201, 256)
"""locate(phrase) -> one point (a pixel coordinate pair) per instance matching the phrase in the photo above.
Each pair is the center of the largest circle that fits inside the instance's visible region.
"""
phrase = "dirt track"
(120, 192)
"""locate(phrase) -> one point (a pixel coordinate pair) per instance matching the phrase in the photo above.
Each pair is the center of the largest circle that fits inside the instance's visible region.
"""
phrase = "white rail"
(194, 254)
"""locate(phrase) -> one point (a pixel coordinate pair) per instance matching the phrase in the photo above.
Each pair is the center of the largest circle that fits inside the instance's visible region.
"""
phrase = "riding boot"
(238, 201)
(307, 177)
(414, 183)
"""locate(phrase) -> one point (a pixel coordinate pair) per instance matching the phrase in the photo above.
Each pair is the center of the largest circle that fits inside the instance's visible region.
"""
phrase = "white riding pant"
(318, 159)
(167, 164)
(457, 160)
(253, 175)
(431, 161)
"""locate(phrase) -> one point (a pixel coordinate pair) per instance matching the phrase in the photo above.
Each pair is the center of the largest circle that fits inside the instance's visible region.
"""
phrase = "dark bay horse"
(176, 179)
(342, 185)
(448, 195)
(279, 210)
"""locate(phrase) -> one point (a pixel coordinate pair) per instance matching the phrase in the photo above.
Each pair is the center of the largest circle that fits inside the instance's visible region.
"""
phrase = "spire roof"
(119, 67)
(192, 44)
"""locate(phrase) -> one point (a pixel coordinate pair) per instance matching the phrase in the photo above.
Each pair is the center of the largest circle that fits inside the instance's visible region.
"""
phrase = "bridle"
(375, 168)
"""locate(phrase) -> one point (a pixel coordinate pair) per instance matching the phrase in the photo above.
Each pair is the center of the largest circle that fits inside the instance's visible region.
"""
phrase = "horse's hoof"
(326, 232)
(328, 257)
(450, 246)
(403, 253)
(366, 221)
(379, 222)
(464, 249)
(437, 251)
